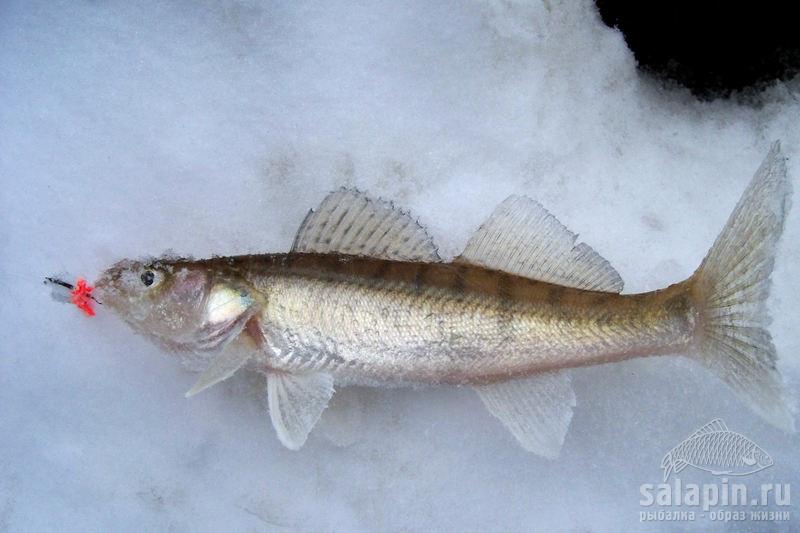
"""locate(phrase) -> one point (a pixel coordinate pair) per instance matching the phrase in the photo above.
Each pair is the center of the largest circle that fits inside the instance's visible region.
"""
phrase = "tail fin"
(731, 287)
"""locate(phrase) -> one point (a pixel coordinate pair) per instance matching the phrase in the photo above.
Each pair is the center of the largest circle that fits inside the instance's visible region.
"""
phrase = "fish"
(363, 298)
(716, 449)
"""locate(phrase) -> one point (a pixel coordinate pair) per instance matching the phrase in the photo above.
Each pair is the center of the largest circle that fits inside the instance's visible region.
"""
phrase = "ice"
(131, 128)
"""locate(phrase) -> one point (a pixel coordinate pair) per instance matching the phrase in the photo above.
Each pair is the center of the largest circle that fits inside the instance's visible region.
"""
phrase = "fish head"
(160, 299)
(761, 458)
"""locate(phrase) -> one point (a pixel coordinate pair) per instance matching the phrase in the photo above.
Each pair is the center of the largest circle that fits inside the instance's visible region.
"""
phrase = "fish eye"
(148, 277)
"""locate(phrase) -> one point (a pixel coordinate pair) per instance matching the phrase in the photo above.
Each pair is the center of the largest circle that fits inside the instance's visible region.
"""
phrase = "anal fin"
(537, 410)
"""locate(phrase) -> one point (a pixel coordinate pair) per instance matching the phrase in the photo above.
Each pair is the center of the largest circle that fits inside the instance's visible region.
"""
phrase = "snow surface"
(130, 128)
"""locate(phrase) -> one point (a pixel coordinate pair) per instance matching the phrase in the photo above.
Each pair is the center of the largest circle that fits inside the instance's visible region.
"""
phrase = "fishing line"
(79, 294)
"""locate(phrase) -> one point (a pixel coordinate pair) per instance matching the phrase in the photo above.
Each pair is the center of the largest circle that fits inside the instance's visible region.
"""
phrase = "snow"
(131, 128)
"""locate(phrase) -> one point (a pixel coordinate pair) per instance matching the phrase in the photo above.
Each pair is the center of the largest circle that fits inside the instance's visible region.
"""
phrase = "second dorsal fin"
(349, 222)
(521, 237)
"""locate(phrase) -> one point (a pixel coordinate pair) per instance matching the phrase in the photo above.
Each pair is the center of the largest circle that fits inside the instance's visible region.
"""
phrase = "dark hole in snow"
(716, 49)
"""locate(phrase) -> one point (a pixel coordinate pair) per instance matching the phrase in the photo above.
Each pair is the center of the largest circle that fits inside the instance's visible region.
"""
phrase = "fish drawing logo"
(716, 449)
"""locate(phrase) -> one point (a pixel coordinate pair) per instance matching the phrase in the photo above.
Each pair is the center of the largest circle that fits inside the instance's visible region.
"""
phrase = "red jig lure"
(80, 294)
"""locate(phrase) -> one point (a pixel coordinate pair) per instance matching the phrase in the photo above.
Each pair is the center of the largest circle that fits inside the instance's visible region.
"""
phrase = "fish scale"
(453, 333)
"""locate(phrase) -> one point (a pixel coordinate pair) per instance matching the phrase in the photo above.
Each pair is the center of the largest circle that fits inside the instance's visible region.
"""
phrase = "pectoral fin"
(296, 402)
(234, 353)
(223, 367)
(536, 410)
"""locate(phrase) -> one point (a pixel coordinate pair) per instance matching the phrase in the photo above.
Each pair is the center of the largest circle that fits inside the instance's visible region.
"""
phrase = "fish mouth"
(104, 292)
(97, 297)
(106, 286)
(99, 292)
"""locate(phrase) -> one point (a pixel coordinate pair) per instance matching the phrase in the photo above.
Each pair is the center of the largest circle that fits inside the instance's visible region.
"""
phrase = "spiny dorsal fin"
(715, 426)
(349, 222)
(521, 237)
(537, 410)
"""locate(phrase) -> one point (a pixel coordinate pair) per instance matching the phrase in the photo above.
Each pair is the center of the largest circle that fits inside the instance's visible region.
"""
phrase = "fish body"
(377, 321)
(716, 449)
(364, 298)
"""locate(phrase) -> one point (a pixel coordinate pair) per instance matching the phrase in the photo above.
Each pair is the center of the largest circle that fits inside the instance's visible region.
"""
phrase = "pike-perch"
(364, 298)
